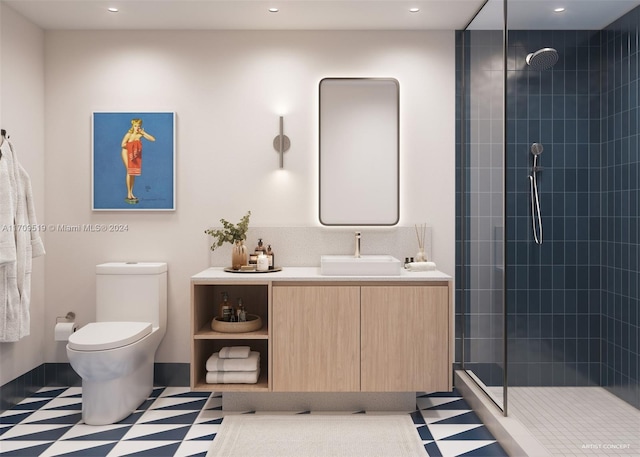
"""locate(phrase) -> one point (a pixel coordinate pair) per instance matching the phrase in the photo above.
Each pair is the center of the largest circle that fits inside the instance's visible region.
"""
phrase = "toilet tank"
(132, 291)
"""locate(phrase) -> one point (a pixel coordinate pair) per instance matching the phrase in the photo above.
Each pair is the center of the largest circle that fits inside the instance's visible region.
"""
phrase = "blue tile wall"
(554, 288)
(573, 301)
(619, 203)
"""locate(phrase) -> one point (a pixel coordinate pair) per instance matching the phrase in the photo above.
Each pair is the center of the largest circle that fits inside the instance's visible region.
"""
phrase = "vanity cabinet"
(330, 334)
(361, 338)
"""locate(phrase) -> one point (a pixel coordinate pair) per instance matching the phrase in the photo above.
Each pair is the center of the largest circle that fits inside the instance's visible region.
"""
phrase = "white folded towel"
(251, 363)
(232, 377)
(234, 352)
(421, 266)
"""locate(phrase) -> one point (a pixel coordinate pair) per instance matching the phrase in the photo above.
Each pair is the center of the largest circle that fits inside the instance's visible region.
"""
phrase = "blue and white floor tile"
(176, 422)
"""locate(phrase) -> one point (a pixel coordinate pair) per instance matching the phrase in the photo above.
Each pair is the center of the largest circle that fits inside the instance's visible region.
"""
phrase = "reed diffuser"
(421, 235)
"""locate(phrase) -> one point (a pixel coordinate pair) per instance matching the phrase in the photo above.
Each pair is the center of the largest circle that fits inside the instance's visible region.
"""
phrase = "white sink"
(365, 265)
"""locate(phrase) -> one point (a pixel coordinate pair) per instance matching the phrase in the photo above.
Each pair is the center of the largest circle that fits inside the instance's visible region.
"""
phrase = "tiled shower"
(572, 302)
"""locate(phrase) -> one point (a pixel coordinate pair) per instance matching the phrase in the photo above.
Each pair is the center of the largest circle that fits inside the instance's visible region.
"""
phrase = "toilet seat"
(100, 336)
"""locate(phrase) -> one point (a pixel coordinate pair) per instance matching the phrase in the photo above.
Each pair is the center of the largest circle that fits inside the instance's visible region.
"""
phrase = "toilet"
(114, 356)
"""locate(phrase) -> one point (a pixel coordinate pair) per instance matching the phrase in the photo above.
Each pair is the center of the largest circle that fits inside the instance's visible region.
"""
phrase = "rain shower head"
(536, 149)
(542, 59)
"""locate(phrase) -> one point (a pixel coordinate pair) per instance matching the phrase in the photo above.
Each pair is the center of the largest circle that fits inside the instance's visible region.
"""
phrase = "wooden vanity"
(330, 333)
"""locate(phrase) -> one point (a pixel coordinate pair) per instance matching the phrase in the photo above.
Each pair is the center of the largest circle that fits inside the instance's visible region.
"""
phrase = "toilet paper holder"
(70, 317)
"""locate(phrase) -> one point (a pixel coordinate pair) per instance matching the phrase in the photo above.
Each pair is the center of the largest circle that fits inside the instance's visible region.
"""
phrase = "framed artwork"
(133, 161)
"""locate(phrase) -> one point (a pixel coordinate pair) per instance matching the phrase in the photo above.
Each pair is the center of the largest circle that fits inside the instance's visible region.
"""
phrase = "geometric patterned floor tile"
(12, 417)
(425, 434)
(132, 418)
(194, 448)
(83, 432)
(439, 402)
(31, 405)
(23, 448)
(168, 417)
(433, 450)
(165, 432)
(436, 415)
(455, 404)
(187, 394)
(440, 432)
(64, 403)
(174, 422)
(35, 432)
(144, 448)
(467, 417)
(171, 403)
(50, 393)
(478, 433)
(80, 448)
(53, 417)
(200, 432)
(457, 448)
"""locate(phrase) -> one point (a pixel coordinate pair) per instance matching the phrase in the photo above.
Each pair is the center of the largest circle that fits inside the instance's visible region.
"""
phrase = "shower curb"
(512, 435)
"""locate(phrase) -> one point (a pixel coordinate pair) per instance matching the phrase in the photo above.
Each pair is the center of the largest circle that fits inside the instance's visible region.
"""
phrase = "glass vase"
(239, 255)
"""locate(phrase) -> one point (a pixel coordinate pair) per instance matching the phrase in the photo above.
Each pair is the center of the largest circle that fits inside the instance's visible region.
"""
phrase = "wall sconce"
(281, 143)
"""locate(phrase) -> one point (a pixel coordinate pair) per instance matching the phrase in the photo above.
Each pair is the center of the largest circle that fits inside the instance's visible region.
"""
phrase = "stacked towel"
(233, 365)
(421, 266)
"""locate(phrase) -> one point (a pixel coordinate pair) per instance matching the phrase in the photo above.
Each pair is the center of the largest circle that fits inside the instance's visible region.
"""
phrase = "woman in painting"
(132, 155)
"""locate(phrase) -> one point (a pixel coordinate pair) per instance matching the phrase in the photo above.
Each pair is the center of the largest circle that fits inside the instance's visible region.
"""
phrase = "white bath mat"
(308, 435)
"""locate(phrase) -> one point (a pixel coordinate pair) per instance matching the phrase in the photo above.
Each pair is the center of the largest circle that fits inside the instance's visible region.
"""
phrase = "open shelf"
(205, 304)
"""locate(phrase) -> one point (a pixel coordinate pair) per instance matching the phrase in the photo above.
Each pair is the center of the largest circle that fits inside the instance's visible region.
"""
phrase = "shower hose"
(536, 218)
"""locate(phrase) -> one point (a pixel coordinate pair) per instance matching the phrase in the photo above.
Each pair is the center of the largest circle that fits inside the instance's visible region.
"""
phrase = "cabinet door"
(405, 338)
(316, 339)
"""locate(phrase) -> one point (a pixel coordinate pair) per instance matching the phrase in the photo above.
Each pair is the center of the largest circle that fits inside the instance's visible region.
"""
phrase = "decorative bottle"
(271, 258)
(242, 314)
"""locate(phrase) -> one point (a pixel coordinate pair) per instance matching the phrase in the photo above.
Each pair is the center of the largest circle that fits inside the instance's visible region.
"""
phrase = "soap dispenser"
(271, 258)
(260, 248)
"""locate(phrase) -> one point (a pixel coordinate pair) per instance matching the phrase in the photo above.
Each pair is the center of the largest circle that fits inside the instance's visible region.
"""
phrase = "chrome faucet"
(357, 254)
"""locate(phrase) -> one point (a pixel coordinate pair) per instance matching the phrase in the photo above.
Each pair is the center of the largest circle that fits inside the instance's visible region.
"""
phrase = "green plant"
(229, 232)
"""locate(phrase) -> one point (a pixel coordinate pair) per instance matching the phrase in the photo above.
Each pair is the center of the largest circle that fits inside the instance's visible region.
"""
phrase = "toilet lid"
(100, 336)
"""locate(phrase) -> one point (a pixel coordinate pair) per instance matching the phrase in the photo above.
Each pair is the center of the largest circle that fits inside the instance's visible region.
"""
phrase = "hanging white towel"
(19, 242)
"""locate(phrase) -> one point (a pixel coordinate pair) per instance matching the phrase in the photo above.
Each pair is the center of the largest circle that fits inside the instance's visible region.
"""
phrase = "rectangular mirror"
(359, 151)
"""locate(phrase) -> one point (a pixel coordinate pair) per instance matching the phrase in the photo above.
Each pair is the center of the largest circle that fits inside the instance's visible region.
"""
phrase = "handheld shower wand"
(536, 218)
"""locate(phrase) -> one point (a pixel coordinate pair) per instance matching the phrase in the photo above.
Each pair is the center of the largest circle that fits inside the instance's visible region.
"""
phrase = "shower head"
(542, 59)
(536, 149)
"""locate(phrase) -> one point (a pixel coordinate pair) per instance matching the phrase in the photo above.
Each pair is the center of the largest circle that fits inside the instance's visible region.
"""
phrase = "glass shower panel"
(483, 342)
(572, 322)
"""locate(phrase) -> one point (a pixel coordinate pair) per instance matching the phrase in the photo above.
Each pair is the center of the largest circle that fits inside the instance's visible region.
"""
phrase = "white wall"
(22, 115)
(227, 89)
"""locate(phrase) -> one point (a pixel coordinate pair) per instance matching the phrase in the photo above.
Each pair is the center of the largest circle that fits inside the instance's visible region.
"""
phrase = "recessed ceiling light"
(414, 10)
(273, 10)
(559, 10)
(113, 9)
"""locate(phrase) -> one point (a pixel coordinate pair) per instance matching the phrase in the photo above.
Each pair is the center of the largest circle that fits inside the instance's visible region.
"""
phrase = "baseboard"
(62, 375)
(22, 387)
(171, 374)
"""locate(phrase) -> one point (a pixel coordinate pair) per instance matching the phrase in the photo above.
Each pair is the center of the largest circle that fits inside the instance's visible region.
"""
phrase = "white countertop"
(312, 274)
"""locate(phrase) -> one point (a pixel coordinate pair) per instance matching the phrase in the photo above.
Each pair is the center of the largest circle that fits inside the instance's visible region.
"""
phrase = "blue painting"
(133, 161)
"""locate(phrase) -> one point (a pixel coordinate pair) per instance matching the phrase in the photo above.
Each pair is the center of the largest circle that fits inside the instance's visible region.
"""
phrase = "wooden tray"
(231, 270)
(252, 324)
